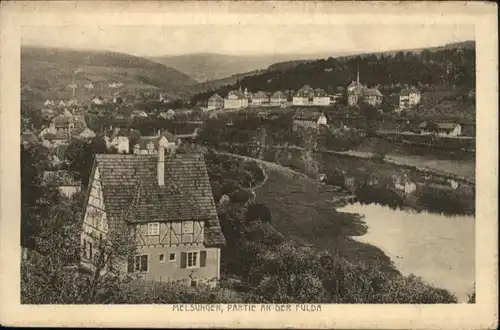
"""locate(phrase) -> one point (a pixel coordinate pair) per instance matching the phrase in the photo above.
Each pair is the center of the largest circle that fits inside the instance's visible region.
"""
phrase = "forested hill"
(452, 65)
(49, 71)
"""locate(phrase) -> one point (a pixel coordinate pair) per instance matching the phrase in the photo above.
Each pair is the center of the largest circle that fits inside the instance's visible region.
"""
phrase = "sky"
(245, 39)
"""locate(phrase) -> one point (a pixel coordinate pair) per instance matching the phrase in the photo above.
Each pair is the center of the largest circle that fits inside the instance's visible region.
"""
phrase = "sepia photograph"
(222, 168)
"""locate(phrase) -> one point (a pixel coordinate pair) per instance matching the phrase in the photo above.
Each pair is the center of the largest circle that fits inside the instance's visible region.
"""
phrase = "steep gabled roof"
(131, 191)
(278, 95)
(216, 97)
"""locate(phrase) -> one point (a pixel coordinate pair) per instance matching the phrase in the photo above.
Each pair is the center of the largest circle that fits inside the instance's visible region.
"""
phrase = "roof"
(278, 95)
(28, 136)
(307, 115)
(445, 126)
(58, 136)
(408, 90)
(238, 94)
(131, 191)
(305, 91)
(62, 120)
(144, 140)
(216, 97)
(60, 178)
(320, 93)
(372, 92)
(260, 95)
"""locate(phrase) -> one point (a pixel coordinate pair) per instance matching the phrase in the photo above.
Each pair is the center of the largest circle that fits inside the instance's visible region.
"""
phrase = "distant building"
(119, 139)
(304, 96)
(48, 103)
(259, 98)
(278, 98)
(321, 98)
(28, 137)
(442, 129)
(64, 181)
(98, 100)
(150, 144)
(138, 114)
(215, 102)
(409, 97)
(336, 98)
(309, 119)
(357, 92)
(235, 100)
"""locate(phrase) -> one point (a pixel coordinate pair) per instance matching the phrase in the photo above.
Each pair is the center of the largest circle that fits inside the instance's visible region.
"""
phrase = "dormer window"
(153, 229)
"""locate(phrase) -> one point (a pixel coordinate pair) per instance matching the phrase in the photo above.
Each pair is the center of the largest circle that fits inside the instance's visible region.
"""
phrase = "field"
(303, 209)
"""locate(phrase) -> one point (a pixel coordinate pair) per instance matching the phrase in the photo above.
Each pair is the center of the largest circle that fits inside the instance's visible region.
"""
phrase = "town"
(242, 193)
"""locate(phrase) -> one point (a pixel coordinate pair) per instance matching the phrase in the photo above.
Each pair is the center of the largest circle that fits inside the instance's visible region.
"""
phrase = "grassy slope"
(301, 209)
(51, 70)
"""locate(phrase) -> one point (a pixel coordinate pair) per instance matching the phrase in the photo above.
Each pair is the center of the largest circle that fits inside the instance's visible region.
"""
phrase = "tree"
(258, 212)
(288, 275)
(80, 156)
(35, 195)
(54, 275)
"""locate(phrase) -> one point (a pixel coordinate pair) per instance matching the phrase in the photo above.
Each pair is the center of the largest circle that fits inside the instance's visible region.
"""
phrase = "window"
(171, 257)
(187, 227)
(141, 263)
(162, 258)
(90, 250)
(193, 284)
(153, 228)
(192, 259)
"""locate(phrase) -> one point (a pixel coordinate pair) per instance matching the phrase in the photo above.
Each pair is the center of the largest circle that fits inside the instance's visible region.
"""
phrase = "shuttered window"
(203, 258)
(192, 259)
(138, 264)
(183, 259)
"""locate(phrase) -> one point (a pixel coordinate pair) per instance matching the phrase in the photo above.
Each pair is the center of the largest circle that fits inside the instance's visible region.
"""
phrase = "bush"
(241, 195)
(258, 212)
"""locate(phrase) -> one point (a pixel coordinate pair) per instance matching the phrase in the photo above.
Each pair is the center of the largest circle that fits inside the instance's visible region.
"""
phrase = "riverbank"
(303, 209)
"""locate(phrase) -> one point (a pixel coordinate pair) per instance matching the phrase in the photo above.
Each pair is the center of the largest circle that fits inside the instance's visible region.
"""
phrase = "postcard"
(249, 164)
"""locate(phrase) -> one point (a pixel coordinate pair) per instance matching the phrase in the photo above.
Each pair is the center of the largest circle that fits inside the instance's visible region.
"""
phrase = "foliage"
(80, 156)
(258, 212)
(444, 201)
(35, 195)
(52, 273)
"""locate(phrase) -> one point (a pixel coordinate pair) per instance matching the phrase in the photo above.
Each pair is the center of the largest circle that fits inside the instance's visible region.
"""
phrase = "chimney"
(161, 163)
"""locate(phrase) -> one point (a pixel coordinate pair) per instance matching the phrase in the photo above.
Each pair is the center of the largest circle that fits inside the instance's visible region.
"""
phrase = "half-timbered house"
(166, 202)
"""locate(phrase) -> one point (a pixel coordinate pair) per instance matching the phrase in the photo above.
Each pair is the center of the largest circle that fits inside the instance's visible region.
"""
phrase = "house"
(259, 98)
(357, 92)
(442, 129)
(63, 180)
(309, 119)
(215, 102)
(48, 103)
(321, 98)
(138, 114)
(98, 100)
(336, 98)
(84, 134)
(409, 97)
(62, 103)
(235, 100)
(53, 140)
(63, 123)
(166, 201)
(58, 155)
(119, 139)
(150, 144)
(73, 102)
(89, 86)
(278, 98)
(304, 96)
(372, 96)
(28, 137)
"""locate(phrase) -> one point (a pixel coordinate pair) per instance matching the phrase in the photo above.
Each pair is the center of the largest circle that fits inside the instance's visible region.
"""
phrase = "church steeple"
(357, 78)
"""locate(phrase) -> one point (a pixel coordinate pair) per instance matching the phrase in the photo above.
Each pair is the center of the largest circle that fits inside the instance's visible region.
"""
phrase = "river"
(438, 248)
